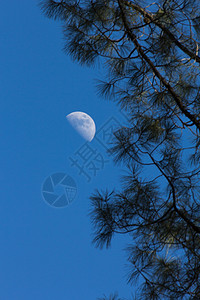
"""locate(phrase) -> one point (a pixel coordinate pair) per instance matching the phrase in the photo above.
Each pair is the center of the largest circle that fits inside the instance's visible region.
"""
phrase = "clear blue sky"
(46, 252)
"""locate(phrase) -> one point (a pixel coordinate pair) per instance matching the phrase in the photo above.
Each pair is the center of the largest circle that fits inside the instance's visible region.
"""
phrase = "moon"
(83, 124)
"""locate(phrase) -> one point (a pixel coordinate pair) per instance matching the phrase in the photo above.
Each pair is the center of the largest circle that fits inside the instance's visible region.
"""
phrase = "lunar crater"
(83, 124)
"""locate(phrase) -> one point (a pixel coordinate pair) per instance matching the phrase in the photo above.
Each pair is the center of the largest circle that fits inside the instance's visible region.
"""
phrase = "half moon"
(83, 124)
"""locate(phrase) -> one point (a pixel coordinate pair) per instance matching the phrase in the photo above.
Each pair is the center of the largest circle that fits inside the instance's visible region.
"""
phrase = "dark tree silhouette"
(150, 51)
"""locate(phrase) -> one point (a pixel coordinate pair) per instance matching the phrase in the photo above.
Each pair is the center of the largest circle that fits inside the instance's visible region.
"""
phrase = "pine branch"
(177, 99)
(182, 215)
(154, 20)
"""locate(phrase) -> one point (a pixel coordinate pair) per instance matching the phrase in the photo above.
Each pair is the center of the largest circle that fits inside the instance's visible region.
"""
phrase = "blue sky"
(46, 252)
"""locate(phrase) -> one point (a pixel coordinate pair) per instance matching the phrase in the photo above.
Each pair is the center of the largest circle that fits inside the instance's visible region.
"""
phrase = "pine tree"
(150, 51)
